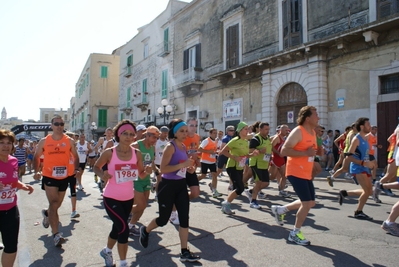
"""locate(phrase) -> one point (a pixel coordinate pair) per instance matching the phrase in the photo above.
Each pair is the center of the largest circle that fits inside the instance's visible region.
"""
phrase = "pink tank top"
(120, 186)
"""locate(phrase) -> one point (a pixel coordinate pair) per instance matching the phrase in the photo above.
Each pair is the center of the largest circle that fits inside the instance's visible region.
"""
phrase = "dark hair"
(212, 130)
(172, 125)
(304, 113)
(360, 121)
(353, 125)
(255, 126)
(329, 131)
(263, 124)
(119, 125)
(9, 135)
(56, 117)
(348, 128)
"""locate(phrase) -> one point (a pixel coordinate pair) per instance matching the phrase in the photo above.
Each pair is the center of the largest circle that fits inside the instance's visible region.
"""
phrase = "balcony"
(163, 49)
(128, 71)
(143, 105)
(189, 81)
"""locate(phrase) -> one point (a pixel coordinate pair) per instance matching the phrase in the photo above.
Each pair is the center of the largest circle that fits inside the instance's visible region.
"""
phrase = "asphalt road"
(248, 238)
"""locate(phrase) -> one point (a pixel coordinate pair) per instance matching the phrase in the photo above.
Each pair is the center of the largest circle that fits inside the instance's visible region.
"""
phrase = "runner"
(31, 151)
(21, 153)
(300, 149)
(159, 147)
(372, 140)
(9, 184)
(173, 188)
(92, 155)
(340, 143)
(360, 166)
(83, 149)
(208, 148)
(142, 187)
(222, 159)
(124, 166)
(58, 150)
(106, 142)
(237, 151)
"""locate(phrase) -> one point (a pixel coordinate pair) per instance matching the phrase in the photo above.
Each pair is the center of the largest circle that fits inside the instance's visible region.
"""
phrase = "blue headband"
(178, 126)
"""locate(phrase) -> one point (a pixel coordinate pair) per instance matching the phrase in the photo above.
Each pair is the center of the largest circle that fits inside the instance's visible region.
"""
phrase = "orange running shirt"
(301, 167)
(56, 157)
(192, 145)
(372, 142)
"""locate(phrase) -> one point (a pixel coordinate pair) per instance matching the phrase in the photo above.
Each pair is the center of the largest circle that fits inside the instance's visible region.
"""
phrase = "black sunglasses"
(58, 124)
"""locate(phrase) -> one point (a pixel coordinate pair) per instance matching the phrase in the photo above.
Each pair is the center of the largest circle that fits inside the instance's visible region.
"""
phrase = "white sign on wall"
(290, 116)
(232, 109)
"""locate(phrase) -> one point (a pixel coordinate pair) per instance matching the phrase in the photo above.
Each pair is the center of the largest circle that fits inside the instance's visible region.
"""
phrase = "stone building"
(95, 104)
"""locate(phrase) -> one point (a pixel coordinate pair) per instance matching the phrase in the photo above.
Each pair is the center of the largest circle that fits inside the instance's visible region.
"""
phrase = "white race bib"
(182, 172)
(310, 159)
(213, 156)
(126, 173)
(7, 196)
(266, 157)
(59, 171)
(242, 162)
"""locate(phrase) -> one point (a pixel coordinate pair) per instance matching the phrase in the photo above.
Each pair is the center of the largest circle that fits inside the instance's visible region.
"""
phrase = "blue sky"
(45, 44)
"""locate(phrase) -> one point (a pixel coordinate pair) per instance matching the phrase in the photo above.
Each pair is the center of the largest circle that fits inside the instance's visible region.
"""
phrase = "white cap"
(141, 127)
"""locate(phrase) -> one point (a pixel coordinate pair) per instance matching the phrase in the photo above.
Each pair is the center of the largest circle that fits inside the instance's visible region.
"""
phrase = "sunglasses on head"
(58, 124)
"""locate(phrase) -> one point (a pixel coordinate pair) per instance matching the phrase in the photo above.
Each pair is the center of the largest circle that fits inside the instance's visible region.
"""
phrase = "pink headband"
(125, 127)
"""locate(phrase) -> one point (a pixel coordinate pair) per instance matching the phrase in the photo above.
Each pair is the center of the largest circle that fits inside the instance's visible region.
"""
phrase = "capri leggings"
(236, 178)
(72, 185)
(118, 211)
(173, 192)
(9, 229)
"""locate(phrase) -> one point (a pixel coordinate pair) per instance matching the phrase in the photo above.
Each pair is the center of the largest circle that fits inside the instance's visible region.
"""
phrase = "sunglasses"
(193, 125)
(231, 130)
(58, 124)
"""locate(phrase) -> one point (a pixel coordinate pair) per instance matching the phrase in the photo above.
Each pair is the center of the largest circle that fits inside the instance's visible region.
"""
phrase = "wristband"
(362, 163)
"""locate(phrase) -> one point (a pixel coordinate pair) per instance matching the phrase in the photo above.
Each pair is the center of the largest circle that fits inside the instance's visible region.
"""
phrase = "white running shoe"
(174, 218)
(75, 214)
(248, 195)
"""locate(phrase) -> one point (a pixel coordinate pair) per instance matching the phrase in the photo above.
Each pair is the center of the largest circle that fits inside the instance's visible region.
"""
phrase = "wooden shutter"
(296, 22)
(198, 55)
(102, 118)
(185, 59)
(128, 97)
(232, 48)
(144, 91)
(164, 91)
(387, 8)
(286, 23)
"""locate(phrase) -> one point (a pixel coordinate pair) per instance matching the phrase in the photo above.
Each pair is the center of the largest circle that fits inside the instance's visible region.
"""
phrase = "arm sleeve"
(254, 143)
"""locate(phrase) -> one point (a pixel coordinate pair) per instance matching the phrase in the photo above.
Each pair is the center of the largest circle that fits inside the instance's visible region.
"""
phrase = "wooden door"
(292, 98)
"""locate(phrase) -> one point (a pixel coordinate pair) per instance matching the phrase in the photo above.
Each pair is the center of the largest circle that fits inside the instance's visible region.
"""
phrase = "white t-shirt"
(82, 152)
(159, 147)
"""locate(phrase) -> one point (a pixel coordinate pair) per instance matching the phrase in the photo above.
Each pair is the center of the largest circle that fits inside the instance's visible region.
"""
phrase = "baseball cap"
(92, 141)
(153, 130)
(278, 128)
(140, 127)
(164, 129)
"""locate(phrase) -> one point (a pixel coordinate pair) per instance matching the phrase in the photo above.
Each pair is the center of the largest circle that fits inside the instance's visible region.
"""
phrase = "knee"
(161, 221)
(239, 189)
(194, 192)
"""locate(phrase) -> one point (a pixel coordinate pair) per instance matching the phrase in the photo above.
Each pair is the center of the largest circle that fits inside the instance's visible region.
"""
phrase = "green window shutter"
(166, 39)
(128, 97)
(129, 61)
(104, 72)
(121, 116)
(164, 92)
(144, 91)
(87, 80)
(102, 118)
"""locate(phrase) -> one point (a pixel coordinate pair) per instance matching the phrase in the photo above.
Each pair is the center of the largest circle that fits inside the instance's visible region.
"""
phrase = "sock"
(382, 187)
(108, 250)
(358, 211)
(131, 225)
(45, 213)
(55, 234)
(389, 223)
(282, 209)
(122, 262)
(296, 230)
(253, 200)
(183, 250)
(344, 193)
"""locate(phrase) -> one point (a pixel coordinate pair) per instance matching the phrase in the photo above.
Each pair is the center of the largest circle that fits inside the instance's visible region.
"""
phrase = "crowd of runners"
(130, 161)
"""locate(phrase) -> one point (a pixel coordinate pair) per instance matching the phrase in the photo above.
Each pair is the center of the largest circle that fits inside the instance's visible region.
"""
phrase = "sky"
(44, 45)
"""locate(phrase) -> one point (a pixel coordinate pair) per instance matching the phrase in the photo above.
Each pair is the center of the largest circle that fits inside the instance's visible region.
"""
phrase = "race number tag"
(266, 157)
(242, 161)
(182, 172)
(310, 159)
(7, 196)
(213, 156)
(59, 171)
(160, 154)
(125, 173)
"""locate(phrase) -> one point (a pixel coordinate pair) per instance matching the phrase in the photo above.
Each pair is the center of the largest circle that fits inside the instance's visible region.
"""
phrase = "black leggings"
(236, 178)
(173, 192)
(72, 185)
(9, 229)
(118, 211)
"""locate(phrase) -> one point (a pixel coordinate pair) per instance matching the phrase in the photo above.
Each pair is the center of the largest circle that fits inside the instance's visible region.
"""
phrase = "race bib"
(242, 162)
(182, 172)
(191, 151)
(160, 154)
(213, 156)
(310, 159)
(7, 196)
(125, 173)
(266, 157)
(59, 171)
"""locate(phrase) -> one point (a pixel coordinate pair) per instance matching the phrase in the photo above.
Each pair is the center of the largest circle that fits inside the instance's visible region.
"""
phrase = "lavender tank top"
(178, 157)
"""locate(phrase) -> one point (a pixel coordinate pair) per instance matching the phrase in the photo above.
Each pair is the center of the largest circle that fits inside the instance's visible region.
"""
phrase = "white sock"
(131, 225)
(108, 250)
(122, 262)
(282, 209)
(389, 223)
(296, 230)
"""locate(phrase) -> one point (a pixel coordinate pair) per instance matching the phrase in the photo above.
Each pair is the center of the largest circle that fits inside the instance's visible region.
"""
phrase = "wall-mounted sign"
(341, 102)
(232, 109)
(290, 116)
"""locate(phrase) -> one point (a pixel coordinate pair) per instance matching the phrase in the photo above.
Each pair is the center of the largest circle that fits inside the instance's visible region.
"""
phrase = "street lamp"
(164, 111)
(93, 128)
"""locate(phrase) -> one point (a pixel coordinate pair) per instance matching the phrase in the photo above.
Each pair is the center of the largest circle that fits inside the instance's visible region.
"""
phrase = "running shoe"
(330, 181)
(95, 178)
(389, 192)
(230, 188)
(143, 237)
(355, 180)
(283, 193)
(1, 246)
(152, 187)
(174, 218)
(341, 197)
(45, 222)
(226, 208)
(109, 260)
(188, 256)
(75, 214)
(254, 204)
(347, 176)
(134, 231)
(58, 239)
(298, 238)
(376, 190)
(392, 229)
(248, 195)
(278, 217)
(377, 200)
(216, 194)
(123, 264)
(361, 215)
(210, 187)
(331, 172)
(261, 195)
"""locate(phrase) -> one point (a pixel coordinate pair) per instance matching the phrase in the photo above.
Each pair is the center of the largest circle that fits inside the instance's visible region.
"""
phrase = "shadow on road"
(53, 256)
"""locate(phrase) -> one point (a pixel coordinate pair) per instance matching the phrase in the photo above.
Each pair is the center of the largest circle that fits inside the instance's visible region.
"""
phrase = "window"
(232, 45)
(387, 8)
(102, 118)
(164, 91)
(129, 61)
(192, 57)
(65, 117)
(121, 116)
(82, 118)
(145, 50)
(128, 97)
(104, 72)
(87, 80)
(389, 84)
(46, 118)
(166, 40)
(144, 91)
(292, 23)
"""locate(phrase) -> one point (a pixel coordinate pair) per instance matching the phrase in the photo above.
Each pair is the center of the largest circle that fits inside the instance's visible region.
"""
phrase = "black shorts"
(206, 166)
(303, 188)
(371, 157)
(191, 179)
(62, 184)
(92, 157)
(260, 174)
(82, 166)
(222, 161)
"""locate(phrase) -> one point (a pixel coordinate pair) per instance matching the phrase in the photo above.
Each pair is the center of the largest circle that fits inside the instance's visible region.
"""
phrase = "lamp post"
(165, 110)
(93, 128)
